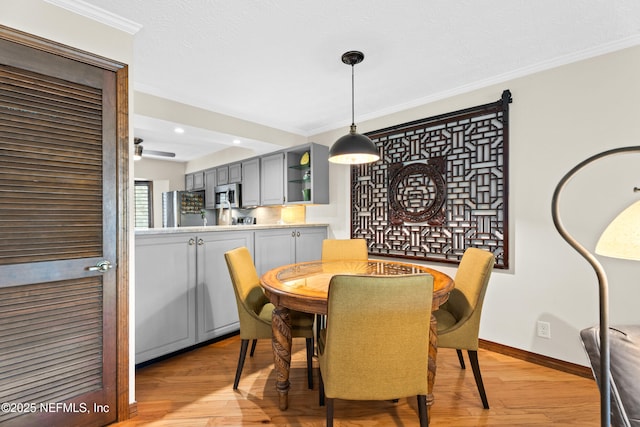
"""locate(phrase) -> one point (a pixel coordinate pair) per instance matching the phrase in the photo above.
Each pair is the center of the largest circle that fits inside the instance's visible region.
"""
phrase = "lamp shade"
(621, 238)
(353, 149)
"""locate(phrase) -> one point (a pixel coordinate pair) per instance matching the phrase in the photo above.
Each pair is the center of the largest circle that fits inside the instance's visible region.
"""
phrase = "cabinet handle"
(200, 242)
(298, 234)
(293, 234)
(192, 241)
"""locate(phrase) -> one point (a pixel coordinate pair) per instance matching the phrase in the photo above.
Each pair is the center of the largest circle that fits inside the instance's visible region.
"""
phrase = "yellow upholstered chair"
(340, 249)
(459, 317)
(390, 314)
(255, 310)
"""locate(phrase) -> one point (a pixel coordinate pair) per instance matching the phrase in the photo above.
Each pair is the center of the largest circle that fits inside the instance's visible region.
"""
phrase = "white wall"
(558, 118)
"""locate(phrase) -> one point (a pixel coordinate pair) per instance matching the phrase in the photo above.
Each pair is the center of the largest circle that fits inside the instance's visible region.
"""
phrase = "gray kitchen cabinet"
(272, 179)
(250, 191)
(222, 175)
(165, 294)
(307, 174)
(235, 173)
(217, 313)
(184, 295)
(209, 188)
(281, 246)
(194, 181)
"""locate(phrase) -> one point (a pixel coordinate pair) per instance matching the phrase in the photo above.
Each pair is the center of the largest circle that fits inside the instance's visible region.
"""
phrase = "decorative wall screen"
(439, 187)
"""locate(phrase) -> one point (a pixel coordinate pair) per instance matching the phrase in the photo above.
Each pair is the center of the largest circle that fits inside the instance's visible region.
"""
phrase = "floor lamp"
(621, 239)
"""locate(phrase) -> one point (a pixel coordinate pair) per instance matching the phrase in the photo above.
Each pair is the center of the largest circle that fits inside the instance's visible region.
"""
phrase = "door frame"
(124, 409)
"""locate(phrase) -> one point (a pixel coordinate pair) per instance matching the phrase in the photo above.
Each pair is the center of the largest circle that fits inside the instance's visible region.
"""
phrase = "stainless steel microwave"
(227, 196)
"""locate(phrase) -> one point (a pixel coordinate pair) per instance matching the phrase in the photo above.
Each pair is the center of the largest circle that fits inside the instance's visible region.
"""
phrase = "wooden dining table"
(304, 287)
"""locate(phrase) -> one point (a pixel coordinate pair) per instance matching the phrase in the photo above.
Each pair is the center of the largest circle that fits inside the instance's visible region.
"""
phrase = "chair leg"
(310, 362)
(473, 358)
(243, 354)
(320, 389)
(253, 347)
(422, 410)
(320, 323)
(460, 358)
(329, 412)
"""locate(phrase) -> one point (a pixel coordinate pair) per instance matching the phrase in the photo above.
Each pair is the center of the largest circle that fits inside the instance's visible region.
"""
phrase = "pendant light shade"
(353, 148)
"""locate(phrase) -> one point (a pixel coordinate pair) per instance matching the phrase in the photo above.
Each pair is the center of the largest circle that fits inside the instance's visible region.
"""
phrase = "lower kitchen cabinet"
(217, 312)
(184, 295)
(281, 246)
(165, 295)
(183, 291)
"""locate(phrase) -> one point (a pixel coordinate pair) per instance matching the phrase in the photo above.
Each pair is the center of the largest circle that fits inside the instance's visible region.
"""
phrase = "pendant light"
(353, 148)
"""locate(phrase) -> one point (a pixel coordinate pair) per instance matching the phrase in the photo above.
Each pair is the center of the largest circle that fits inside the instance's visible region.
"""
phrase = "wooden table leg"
(281, 326)
(433, 353)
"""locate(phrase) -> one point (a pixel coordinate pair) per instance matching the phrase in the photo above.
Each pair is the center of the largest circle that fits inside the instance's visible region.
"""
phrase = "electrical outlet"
(544, 329)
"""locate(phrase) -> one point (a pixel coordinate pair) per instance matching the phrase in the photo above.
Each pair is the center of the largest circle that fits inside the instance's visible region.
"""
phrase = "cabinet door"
(198, 181)
(216, 302)
(188, 182)
(165, 295)
(209, 188)
(274, 248)
(250, 183)
(309, 243)
(272, 179)
(235, 173)
(222, 175)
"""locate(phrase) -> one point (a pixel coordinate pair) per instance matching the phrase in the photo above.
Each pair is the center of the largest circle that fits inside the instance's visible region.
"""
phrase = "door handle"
(101, 266)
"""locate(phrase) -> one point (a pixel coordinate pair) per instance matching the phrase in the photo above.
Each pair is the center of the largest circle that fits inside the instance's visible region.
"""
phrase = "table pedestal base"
(281, 341)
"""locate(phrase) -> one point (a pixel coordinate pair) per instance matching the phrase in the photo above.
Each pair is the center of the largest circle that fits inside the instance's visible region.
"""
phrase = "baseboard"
(133, 409)
(538, 359)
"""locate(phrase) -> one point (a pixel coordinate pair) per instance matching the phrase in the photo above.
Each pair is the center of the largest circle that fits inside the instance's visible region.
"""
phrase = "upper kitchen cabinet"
(222, 175)
(307, 174)
(272, 179)
(235, 173)
(209, 188)
(229, 174)
(194, 181)
(251, 182)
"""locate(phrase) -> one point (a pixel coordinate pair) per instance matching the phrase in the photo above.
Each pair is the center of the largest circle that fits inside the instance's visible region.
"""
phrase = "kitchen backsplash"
(271, 215)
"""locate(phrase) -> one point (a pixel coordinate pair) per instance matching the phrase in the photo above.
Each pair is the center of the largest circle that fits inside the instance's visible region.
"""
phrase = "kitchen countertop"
(209, 228)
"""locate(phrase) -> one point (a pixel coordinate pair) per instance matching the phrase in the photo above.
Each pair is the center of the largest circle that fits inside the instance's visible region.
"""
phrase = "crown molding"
(97, 14)
(585, 54)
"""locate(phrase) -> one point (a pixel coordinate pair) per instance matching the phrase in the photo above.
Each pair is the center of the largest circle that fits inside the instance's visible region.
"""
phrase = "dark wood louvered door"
(58, 214)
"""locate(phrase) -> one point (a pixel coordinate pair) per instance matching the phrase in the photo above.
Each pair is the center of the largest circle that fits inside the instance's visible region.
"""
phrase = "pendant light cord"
(353, 120)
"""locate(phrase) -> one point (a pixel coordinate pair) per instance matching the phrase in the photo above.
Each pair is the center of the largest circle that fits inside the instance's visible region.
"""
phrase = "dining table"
(304, 287)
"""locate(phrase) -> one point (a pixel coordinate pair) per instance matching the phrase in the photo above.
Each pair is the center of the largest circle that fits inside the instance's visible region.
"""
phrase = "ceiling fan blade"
(159, 153)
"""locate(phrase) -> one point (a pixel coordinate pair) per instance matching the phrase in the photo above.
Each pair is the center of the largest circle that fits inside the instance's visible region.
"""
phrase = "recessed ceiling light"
(178, 130)
(236, 141)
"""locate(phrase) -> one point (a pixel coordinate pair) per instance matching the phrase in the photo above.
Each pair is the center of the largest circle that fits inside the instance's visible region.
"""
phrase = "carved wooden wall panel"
(439, 187)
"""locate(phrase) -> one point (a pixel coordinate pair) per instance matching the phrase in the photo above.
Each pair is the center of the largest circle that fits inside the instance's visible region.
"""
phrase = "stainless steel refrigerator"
(182, 208)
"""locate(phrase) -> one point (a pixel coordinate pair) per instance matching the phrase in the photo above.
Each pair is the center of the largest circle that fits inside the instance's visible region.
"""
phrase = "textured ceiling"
(277, 62)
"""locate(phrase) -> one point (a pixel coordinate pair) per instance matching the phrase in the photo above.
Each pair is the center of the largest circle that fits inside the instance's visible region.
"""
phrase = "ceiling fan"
(137, 154)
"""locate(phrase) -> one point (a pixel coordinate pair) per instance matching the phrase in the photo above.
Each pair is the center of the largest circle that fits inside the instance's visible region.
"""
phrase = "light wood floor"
(194, 389)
